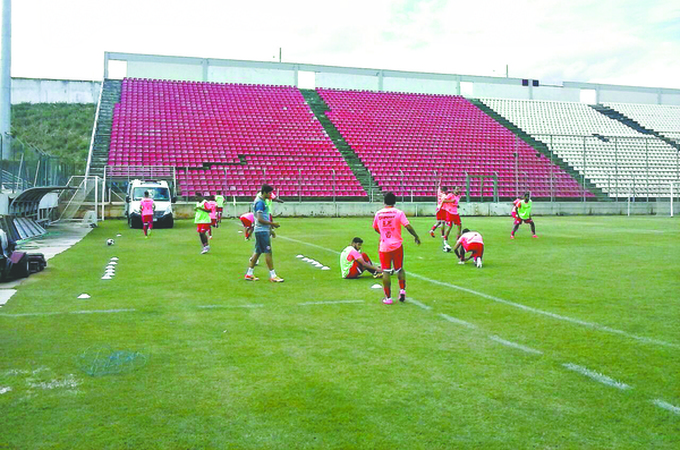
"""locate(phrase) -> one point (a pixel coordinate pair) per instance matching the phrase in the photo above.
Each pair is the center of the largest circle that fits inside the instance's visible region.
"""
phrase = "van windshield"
(159, 194)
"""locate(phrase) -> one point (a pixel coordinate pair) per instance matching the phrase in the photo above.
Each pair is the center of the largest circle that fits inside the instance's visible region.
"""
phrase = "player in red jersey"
(387, 223)
(442, 192)
(147, 207)
(211, 204)
(450, 205)
(247, 219)
(470, 241)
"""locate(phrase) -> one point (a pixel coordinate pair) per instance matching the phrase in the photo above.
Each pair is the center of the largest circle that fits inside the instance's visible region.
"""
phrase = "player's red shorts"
(355, 270)
(147, 218)
(395, 259)
(520, 221)
(202, 227)
(452, 218)
(476, 248)
(246, 223)
(441, 214)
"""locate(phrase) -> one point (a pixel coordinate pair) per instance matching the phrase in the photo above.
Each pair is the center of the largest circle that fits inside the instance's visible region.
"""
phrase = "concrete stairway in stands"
(319, 107)
(102, 138)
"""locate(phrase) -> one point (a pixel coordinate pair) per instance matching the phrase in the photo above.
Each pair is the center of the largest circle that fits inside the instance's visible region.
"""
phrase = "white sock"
(250, 271)
(272, 273)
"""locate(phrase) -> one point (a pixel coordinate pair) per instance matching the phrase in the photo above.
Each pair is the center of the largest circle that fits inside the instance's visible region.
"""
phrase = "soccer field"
(566, 341)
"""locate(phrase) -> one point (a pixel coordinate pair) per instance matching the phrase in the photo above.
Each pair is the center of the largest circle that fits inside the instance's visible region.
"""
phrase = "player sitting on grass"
(202, 221)
(387, 223)
(353, 262)
(521, 211)
(470, 241)
(247, 219)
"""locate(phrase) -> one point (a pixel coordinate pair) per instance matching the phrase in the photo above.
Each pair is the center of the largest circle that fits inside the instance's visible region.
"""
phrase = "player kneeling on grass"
(202, 221)
(472, 242)
(521, 212)
(353, 262)
(388, 222)
(247, 220)
(263, 229)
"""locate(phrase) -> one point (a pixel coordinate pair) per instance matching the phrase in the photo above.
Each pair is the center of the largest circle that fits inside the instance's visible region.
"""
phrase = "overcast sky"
(632, 42)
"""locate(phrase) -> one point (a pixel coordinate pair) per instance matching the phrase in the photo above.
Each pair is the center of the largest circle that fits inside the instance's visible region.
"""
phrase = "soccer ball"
(110, 242)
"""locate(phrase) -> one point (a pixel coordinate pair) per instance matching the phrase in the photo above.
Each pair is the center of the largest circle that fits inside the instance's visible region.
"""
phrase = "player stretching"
(450, 205)
(353, 262)
(470, 241)
(521, 211)
(219, 199)
(148, 207)
(247, 220)
(388, 222)
(263, 226)
(442, 192)
(202, 221)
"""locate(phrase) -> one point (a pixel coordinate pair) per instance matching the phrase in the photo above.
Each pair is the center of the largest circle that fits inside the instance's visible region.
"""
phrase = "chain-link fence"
(24, 166)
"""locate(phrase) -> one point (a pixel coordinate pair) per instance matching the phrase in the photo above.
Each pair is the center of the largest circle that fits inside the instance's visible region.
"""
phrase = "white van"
(162, 197)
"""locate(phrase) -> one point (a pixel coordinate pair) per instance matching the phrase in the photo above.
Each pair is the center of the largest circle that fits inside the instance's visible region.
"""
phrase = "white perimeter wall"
(29, 90)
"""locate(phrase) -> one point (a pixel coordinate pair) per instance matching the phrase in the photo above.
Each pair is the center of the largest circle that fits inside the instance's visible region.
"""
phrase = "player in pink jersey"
(147, 206)
(248, 221)
(470, 241)
(388, 222)
(211, 204)
(442, 192)
(450, 205)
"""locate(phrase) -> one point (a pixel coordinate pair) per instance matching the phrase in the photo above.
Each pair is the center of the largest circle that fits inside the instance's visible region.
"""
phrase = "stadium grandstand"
(218, 132)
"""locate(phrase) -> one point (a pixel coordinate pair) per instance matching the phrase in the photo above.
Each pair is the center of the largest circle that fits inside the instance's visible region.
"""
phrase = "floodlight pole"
(6, 79)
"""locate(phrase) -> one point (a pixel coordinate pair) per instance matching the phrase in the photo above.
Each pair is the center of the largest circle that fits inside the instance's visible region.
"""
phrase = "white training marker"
(240, 232)
(4, 390)
(300, 256)
(119, 235)
(113, 262)
(597, 376)
(325, 268)
(114, 259)
(376, 286)
(106, 277)
(305, 259)
(83, 296)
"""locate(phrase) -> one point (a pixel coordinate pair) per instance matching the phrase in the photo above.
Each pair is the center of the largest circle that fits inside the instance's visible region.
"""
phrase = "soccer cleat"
(205, 250)
(210, 237)
(512, 236)
(402, 295)
(387, 301)
(534, 236)
(447, 248)
(432, 233)
(377, 275)
(251, 278)
(479, 263)
(461, 262)
(276, 279)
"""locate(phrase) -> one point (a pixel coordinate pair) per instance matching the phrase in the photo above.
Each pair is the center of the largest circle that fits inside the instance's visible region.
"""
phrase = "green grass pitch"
(566, 341)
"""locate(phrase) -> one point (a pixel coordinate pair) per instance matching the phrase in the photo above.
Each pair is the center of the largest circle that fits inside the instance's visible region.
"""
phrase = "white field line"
(666, 406)
(592, 325)
(417, 303)
(330, 302)
(230, 306)
(597, 376)
(4, 390)
(515, 345)
(457, 321)
(99, 311)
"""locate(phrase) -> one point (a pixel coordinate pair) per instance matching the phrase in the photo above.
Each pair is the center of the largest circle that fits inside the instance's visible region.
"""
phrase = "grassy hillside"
(59, 129)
